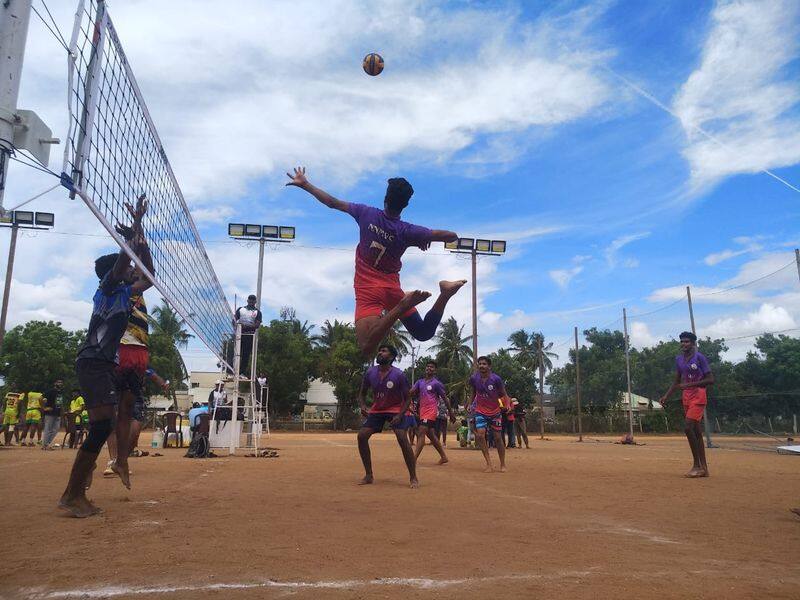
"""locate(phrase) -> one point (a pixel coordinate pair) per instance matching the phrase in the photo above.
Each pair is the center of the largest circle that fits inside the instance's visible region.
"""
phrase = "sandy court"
(569, 520)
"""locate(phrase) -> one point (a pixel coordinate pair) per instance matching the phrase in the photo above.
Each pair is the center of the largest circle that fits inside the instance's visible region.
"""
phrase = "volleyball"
(373, 64)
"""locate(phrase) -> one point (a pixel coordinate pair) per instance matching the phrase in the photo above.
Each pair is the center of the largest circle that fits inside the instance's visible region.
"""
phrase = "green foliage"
(37, 353)
(167, 362)
(285, 353)
(342, 365)
(454, 357)
(520, 381)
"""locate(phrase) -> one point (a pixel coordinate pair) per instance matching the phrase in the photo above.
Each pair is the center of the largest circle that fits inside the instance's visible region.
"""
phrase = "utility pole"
(413, 364)
(707, 428)
(578, 386)
(541, 390)
(628, 373)
(12, 250)
(797, 259)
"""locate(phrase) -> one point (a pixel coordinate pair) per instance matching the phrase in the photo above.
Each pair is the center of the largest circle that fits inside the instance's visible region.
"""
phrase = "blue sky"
(521, 121)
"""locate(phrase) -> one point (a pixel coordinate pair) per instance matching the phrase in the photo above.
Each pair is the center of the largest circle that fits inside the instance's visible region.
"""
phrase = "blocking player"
(380, 301)
(390, 401)
(96, 361)
(429, 391)
(692, 377)
(488, 391)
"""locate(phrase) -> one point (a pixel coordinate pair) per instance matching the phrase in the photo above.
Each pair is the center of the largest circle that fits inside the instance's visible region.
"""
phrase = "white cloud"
(751, 244)
(562, 277)
(741, 94)
(612, 250)
(744, 329)
(640, 335)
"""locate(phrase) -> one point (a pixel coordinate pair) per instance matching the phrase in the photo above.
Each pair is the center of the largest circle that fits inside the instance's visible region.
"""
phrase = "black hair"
(432, 362)
(104, 264)
(398, 193)
(253, 296)
(687, 335)
(486, 358)
(390, 348)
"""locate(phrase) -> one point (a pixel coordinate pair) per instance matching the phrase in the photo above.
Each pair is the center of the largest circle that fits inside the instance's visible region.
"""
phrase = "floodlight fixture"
(483, 245)
(23, 217)
(451, 245)
(287, 233)
(252, 230)
(498, 246)
(44, 219)
(466, 243)
(236, 229)
(269, 231)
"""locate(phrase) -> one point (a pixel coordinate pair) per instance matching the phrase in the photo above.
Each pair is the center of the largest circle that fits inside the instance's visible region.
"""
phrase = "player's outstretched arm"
(442, 235)
(300, 180)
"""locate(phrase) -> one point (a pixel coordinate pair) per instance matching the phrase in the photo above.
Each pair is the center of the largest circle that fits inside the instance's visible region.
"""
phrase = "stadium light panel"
(236, 229)
(466, 243)
(287, 233)
(44, 219)
(252, 230)
(483, 245)
(269, 231)
(498, 246)
(23, 217)
(451, 245)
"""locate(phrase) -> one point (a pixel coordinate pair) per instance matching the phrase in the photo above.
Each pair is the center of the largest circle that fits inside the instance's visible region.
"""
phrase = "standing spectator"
(508, 423)
(520, 425)
(11, 417)
(249, 317)
(33, 418)
(441, 421)
(52, 403)
(74, 416)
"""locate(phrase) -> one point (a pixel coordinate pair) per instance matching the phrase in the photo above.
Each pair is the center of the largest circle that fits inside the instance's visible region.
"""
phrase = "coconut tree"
(454, 354)
(532, 353)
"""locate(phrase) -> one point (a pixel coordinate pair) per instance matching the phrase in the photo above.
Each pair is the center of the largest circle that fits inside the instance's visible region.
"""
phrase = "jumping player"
(96, 362)
(390, 400)
(692, 376)
(380, 301)
(429, 391)
(489, 391)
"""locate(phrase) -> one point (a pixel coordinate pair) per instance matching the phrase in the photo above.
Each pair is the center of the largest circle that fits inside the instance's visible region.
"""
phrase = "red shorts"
(133, 358)
(376, 291)
(694, 403)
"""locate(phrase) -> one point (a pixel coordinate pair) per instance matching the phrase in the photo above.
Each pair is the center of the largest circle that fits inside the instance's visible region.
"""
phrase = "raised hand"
(138, 212)
(299, 178)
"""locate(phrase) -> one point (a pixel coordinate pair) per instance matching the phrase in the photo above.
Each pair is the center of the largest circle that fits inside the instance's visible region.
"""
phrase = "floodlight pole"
(12, 250)
(474, 254)
(13, 35)
(628, 373)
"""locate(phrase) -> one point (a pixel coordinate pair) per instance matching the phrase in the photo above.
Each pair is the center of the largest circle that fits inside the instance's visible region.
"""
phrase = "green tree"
(169, 334)
(169, 322)
(519, 380)
(454, 357)
(342, 365)
(400, 339)
(36, 354)
(286, 355)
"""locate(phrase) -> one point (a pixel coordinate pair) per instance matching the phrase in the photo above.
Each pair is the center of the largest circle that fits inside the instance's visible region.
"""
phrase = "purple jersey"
(384, 239)
(487, 393)
(692, 369)
(389, 393)
(430, 392)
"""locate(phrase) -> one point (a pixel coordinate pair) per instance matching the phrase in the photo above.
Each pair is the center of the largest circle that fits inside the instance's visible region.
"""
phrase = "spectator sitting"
(462, 434)
(197, 410)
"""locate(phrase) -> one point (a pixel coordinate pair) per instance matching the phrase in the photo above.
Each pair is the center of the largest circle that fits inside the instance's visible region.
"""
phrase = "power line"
(665, 307)
(742, 337)
(741, 285)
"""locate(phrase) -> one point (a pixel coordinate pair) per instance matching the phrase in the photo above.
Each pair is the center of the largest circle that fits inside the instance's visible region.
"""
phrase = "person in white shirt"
(249, 317)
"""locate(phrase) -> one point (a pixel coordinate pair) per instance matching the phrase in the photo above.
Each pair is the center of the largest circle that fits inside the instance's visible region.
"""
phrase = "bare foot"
(694, 472)
(449, 288)
(704, 473)
(124, 474)
(413, 298)
(795, 511)
(443, 461)
(488, 469)
(414, 484)
(366, 481)
(79, 507)
(502, 468)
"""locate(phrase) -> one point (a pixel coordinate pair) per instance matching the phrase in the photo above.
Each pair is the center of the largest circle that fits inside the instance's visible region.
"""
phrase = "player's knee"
(364, 435)
(98, 434)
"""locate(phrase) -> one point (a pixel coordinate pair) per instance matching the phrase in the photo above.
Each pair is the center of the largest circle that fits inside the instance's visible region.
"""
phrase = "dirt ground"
(568, 520)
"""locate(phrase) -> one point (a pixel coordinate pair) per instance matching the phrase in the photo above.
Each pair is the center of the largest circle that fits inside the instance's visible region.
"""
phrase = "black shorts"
(96, 379)
(138, 409)
(429, 423)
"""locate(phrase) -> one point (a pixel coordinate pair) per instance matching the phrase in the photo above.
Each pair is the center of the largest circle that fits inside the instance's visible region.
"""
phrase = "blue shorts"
(485, 421)
(376, 420)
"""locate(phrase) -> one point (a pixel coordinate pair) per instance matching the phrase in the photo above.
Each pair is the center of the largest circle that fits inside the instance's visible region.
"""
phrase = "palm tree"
(451, 348)
(169, 322)
(532, 353)
(400, 339)
(330, 333)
